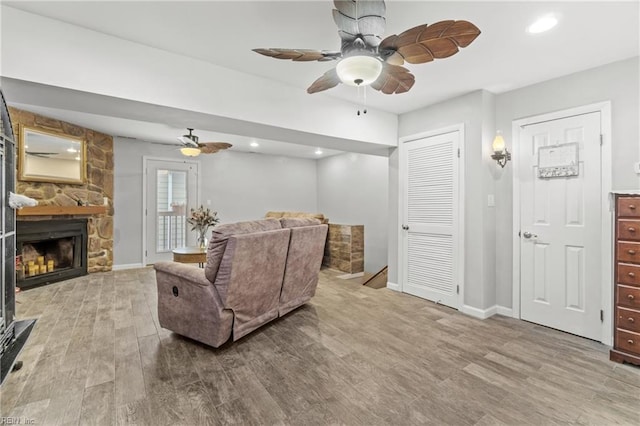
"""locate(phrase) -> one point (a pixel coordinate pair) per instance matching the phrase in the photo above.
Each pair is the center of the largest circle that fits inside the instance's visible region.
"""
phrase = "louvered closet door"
(430, 244)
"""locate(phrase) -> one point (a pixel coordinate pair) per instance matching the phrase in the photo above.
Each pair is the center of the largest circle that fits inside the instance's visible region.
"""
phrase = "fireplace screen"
(50, 251)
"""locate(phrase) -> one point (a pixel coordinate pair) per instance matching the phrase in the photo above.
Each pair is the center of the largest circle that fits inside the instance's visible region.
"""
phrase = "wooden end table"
(190, 255)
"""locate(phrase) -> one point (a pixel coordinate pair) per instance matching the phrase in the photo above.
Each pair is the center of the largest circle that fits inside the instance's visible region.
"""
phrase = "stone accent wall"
(344, 250)
(99, 185)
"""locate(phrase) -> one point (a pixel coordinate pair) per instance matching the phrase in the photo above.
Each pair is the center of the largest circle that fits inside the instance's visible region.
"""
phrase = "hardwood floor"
(354, 356)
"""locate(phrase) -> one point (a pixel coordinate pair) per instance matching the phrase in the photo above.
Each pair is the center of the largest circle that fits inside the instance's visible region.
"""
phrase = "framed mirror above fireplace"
(47, 156)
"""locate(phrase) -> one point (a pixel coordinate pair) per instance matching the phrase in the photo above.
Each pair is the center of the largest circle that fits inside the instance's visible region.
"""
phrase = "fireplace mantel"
(61, 210)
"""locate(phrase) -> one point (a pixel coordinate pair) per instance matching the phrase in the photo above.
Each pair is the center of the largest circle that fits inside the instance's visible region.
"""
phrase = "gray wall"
(241, 186)
(488, 245)
(617, 82)
(244, 186)
(473, 110)
(353, 190)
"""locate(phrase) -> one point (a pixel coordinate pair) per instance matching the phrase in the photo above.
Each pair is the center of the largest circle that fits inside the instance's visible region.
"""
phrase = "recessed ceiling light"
(254, 144)
(318, 151)
(545, 23)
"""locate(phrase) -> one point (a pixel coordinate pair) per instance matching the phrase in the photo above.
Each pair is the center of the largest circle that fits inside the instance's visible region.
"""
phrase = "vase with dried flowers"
(201, 220)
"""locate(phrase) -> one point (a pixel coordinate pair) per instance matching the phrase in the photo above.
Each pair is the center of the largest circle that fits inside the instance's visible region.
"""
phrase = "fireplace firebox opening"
(50, 251)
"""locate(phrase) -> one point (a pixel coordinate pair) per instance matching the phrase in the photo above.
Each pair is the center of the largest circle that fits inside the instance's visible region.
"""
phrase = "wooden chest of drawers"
(626, 345)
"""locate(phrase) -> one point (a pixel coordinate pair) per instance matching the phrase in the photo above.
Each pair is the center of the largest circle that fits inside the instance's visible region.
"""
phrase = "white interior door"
(171, 191)
(560, 222)
(430, 234)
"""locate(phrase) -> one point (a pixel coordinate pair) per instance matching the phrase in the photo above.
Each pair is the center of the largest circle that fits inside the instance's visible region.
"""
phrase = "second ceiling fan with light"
(192, 147)
(366, 59)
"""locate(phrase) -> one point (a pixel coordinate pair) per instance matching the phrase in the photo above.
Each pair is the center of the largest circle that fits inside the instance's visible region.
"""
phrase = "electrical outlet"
(636, 167)
(208, 202)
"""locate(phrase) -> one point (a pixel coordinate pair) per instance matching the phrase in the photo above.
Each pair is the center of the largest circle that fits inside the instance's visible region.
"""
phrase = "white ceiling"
(502, 58)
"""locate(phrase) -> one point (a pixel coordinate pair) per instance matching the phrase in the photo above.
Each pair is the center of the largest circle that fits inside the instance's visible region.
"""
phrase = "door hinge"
(601, 139)
(601, 315)
(457, 289)
(458, 152)
(145, 253)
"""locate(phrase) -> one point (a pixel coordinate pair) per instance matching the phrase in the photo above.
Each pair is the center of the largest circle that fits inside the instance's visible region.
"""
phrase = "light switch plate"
(491, 200)
(636, 167)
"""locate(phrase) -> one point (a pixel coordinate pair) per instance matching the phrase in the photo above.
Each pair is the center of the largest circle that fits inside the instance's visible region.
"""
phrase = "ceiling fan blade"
(299, 55)
(213, 147)
(394, 80)
(328, 80)
(365, 18)
(425, 43)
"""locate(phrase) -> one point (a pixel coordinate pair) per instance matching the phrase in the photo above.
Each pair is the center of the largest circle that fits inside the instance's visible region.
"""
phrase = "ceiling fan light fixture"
(190, 151)
(359, 70)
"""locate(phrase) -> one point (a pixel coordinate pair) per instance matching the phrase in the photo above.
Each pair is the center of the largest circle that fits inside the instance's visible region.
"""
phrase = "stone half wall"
(99, 185)
(344, 249)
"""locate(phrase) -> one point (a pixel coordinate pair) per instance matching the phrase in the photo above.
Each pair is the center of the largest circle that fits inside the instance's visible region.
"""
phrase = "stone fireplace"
(50, 251)
(96, 191)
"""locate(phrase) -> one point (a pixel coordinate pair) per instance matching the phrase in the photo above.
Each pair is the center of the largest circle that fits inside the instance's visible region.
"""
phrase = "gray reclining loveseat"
(255, 272)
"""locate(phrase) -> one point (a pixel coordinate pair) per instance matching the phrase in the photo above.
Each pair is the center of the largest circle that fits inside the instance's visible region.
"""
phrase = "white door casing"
(164, 225)
(430, 255)
(559, 268)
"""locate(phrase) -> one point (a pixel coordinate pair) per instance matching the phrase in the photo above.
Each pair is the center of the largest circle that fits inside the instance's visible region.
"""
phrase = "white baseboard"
(486, 313)
(127, 266)
(504, 311)
(393, 286)
(478, 313)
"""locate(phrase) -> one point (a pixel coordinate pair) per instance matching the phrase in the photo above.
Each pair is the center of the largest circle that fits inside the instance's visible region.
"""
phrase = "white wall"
(617, 82)
(353, 190)
(241, 186)
(55, 53)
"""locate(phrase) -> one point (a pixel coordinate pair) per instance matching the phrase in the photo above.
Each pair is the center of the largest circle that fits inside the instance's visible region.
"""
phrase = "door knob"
(528, 235)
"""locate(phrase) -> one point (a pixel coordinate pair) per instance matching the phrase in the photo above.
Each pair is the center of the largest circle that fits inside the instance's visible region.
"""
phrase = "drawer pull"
(631, 320)
(632, 206)
(631, 252)
(630, 342)
(631, 274)
(631, 229)
(630, 296)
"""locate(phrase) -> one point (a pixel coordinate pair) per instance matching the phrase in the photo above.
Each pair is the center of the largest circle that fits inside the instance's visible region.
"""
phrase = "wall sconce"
(500, 153)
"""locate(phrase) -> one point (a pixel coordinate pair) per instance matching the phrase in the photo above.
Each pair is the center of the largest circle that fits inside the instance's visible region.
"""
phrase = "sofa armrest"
(184, 272)
(189, 304)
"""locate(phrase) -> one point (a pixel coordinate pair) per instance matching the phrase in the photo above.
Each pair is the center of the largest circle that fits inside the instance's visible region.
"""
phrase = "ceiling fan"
(366, 59)
(193, 148)
(41, 154)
